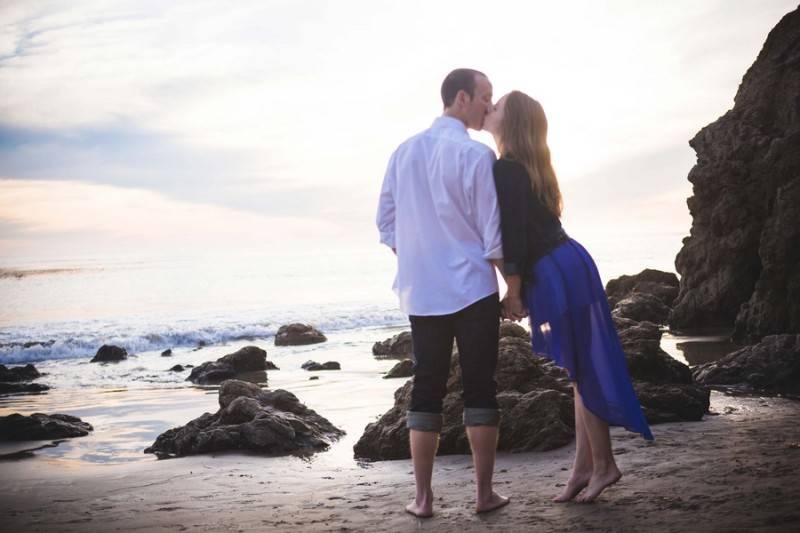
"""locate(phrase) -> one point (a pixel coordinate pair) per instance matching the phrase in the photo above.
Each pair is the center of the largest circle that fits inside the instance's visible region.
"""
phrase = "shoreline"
(737, 470)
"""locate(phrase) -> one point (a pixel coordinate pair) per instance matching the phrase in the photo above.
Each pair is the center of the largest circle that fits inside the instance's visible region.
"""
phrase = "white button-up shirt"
(438, 209)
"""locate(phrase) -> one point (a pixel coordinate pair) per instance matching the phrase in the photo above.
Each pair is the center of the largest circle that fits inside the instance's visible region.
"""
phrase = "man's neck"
(452, 114)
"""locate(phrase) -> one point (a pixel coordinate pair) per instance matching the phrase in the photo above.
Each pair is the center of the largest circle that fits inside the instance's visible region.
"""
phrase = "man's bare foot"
(598, 483)
(577, 482)
(421, 507)
(495, 501)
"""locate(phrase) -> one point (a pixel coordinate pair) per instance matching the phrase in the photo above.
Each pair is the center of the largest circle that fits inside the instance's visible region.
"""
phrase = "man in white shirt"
(438, 211)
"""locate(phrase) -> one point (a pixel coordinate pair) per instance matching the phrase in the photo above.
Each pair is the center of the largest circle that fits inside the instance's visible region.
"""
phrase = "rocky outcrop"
(298, 334)
(662, 285)
(403, 369)
(641, 306)
(536, 409)
(773, 365)
(108, 353)
(740, 265)
(247, 359)
(314, 366)
(39, 426)
(18, 373)
(262, 421)
(13, 388)
(400, 345)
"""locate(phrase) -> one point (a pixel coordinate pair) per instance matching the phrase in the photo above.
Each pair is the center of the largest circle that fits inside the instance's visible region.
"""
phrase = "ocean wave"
(82, 339)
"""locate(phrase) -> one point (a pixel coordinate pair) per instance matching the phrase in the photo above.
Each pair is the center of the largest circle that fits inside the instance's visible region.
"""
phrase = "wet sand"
(738, 470)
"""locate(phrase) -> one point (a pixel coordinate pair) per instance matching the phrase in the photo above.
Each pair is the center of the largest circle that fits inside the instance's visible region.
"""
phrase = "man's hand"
(513, 309)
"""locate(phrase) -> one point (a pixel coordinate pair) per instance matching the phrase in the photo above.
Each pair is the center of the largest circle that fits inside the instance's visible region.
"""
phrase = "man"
(438, 212)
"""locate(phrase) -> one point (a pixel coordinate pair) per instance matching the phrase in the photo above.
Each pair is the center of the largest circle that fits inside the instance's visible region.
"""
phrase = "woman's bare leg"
(604, 469)
(582, 466)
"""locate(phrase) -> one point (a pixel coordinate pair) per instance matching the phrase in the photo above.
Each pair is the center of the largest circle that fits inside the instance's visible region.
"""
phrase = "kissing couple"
(453, 213)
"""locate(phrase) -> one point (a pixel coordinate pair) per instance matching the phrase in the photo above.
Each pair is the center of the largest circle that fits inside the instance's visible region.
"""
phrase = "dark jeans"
(476, 332)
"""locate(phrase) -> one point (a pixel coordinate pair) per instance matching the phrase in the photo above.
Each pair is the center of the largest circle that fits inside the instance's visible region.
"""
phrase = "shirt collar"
(449, 123)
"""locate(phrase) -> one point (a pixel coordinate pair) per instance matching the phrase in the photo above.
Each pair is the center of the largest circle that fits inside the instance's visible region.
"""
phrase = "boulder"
(177, 368)
(252, 419)
(108, 353)
(740, 264)
(773, 365)
(314, 366)
(403, 369)
(18, 373)
(512, 329)
(13, 388)
(400, 345)
(298, 334)
(662, 285)
(536, 408)
(247, 359)
(672, 402)
(39, 426)
(167, 353)
(641, 342)
(641, 306)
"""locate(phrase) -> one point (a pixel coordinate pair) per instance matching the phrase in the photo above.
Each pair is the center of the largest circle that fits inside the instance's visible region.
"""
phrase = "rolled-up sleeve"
(386, 212)
(485, 206)
(512, 197)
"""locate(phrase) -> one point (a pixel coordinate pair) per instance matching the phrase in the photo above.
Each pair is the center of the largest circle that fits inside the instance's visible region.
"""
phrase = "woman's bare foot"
(422, 506)
(577, 482)
(598, 483)
(495, 501)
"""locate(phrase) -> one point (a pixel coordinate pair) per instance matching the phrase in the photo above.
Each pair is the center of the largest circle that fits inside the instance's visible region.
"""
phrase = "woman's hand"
(513, 309)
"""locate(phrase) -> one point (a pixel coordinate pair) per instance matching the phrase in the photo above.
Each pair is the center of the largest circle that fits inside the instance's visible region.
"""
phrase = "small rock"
(298, 334)
(177, 368)
(39, 426)
(12, 388)
(167, 352)
(18, 373)
(314, 366)
(400, 345)
(109, 353)
(312, 378)
(403, 369)
(247, 359)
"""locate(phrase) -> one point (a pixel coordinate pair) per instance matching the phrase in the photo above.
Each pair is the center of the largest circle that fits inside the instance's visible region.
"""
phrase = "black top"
(530, 230)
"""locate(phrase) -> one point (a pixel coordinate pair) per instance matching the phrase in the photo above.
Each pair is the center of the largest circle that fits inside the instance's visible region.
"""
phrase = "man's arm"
(385, 218)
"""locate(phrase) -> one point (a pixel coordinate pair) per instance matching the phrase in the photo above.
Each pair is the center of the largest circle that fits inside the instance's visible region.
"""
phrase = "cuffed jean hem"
(479, 416)
(419, 421)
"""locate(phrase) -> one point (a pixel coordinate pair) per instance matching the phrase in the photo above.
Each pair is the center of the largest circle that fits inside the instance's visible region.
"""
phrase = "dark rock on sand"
(177, 368)
(403, 369)
(109, 353)
(773, 365)
(512, 329)
(18, 373)
(247, 359)
(39, 426)
(298, 334)
(662, 285)
(166, 353)
(398, 346)
(740, 265)
(11, 388)
(642, 306)
(263, 421)
(672, 402)
(314, 366)
(536, 409)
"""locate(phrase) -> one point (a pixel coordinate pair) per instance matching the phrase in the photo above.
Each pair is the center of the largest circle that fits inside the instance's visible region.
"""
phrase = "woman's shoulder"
(509, 167)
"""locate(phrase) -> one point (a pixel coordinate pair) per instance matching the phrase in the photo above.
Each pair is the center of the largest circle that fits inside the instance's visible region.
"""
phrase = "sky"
(153, 126)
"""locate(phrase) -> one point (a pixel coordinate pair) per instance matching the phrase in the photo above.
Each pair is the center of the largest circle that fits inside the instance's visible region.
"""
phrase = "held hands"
(512, 307)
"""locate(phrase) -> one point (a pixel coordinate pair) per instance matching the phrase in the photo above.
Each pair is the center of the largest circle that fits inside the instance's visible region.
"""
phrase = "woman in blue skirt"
(552, 279)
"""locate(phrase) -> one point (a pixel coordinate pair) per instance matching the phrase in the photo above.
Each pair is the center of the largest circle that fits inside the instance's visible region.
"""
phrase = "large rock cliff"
(740, 266)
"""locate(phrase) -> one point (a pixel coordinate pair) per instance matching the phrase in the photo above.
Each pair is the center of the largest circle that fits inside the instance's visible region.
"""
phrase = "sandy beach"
(737, 470)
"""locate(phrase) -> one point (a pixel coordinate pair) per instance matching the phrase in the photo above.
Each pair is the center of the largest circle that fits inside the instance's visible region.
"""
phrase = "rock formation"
(39, 426)
(740, 265)
(109, 353)
(247, 359)
(263, 421)
(313, 366)
(400, 345)
(403, 369)
(298, 334)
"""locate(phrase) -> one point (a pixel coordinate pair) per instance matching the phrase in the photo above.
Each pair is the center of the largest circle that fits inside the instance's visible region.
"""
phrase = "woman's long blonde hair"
(523, 135)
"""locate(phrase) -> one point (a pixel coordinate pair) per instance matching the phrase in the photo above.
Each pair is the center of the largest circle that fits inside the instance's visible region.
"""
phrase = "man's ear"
(462, 97)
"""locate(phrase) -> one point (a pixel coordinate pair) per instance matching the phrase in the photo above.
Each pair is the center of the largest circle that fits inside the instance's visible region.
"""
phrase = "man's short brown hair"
(461, 79)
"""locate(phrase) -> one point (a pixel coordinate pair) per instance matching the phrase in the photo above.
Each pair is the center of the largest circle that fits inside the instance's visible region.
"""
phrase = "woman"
(554, 279)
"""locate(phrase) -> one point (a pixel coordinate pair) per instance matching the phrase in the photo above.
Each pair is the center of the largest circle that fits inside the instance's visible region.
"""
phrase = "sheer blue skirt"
(571, 324)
